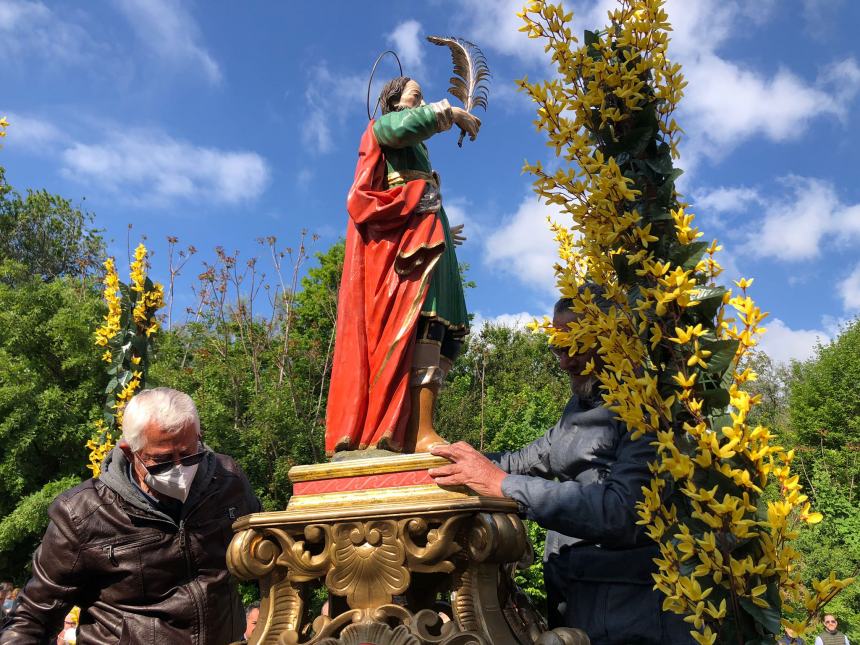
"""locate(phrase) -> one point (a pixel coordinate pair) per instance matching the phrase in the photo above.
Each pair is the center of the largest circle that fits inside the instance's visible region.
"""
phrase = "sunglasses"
(163, 467)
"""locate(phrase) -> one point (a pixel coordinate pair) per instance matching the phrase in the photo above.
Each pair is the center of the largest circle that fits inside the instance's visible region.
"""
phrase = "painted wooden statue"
(401, 310)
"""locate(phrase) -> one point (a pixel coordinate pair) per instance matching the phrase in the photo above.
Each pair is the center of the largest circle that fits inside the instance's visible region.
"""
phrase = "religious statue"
(401, 310)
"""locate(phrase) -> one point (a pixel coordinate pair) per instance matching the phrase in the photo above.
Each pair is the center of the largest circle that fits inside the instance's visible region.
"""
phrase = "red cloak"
(388, 262)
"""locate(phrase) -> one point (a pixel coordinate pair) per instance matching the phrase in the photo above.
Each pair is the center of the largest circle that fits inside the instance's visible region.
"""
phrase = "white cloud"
(155, 169)
(326, 88)
(726, 199)
(513, 320)
(796, 226)
(31, 133)
(523, 246)
(409, 46)
(494, 26)
(821, 16)
(167, 29)
(784, 344)
(30, 30)
(726, 101)
(849, 290)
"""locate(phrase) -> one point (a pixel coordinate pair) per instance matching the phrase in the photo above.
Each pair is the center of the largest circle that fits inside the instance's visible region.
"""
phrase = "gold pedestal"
(408, 563)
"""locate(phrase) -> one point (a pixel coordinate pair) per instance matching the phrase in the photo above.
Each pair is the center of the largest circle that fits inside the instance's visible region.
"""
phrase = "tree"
(824, 415)
(258, 371)
(51, 384)
(825, 397)
(46, 234)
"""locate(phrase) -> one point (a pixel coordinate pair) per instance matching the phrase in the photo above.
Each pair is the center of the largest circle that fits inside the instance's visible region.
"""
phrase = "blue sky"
(223, 122)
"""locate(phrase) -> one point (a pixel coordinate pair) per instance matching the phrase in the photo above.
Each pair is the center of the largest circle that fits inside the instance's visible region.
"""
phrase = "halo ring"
(370, 81)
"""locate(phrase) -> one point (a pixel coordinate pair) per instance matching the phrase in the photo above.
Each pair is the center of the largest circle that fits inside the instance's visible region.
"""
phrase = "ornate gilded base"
(406, 564)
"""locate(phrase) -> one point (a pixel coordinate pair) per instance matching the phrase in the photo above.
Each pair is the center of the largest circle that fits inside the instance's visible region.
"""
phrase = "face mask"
(175, 483)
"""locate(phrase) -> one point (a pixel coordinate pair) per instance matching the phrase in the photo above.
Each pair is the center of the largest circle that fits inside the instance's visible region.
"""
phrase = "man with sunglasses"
(831, 634)
(142, 548)
(581, 480)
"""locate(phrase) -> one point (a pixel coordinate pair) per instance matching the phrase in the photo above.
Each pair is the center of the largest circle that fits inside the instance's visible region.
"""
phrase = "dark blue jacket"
(581, 480)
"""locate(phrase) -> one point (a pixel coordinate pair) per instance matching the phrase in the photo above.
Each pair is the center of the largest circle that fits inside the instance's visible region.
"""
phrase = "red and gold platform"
(405, 562)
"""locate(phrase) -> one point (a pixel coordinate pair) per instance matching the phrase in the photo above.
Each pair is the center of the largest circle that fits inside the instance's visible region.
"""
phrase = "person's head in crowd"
(9, 599)
(830, 623)
(72, 618)
(161, 439)
(252, 615)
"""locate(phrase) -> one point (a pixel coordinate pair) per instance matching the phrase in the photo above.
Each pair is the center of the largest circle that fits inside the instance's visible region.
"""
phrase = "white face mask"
(175, 483)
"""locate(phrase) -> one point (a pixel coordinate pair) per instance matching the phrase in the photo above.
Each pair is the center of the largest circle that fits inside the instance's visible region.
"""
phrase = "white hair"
(171, 409)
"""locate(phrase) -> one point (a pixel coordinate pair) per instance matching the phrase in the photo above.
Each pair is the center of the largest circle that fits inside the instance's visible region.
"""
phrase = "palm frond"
(471, 73)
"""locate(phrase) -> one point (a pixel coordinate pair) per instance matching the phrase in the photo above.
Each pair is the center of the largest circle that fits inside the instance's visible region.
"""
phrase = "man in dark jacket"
(142, 549)
(582, 480)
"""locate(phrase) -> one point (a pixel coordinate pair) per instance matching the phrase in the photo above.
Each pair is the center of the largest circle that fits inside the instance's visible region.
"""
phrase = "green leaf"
(688, 255)
(767, 617)
(722, 355)
(709, 299)
(662, 164)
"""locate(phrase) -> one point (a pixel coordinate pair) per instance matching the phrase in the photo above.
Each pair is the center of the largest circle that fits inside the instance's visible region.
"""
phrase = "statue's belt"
(399, 178)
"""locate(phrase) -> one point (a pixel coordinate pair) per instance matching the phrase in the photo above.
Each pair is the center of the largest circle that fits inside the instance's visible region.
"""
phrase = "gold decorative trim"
(373, 466)
(385, 565)
(375, 496)
(398, 178)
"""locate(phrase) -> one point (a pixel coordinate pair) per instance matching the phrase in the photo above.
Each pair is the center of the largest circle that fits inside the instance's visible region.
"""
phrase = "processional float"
(403, 560)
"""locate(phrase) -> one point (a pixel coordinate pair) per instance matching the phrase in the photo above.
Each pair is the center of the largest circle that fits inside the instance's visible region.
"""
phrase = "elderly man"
(581, 480)
(142, 549)
(831, 634)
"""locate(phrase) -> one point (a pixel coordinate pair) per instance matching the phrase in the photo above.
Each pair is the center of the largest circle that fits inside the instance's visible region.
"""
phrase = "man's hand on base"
(470, 468)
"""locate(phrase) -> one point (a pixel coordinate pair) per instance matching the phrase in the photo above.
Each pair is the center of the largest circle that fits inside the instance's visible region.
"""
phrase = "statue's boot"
(422, 434)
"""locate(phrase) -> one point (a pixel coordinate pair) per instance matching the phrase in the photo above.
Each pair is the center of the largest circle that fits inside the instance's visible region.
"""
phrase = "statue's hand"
(457, 234)
(467, 122)
(470, 468)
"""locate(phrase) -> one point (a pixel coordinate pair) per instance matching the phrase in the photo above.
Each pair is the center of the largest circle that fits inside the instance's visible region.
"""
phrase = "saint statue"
(401, 310)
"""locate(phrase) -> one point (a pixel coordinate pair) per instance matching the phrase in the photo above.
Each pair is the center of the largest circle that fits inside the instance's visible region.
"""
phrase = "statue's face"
(411, 96)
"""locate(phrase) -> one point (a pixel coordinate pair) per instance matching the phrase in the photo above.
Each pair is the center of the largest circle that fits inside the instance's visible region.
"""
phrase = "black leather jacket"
(138, 575)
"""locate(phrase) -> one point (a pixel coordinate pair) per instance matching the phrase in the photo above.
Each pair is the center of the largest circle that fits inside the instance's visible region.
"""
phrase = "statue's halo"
(370, 80)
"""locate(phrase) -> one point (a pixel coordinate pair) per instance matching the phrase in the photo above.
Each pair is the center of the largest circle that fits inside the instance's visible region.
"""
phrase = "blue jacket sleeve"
(604, 511)
(532, 459)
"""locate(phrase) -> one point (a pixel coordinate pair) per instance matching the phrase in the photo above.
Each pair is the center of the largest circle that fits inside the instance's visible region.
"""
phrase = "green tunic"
(401, 135)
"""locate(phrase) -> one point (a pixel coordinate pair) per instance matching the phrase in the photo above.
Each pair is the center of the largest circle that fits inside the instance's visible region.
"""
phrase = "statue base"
(405, 562)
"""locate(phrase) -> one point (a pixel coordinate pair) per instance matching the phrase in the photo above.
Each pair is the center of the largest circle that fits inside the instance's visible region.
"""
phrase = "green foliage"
(21, 529)
(834, 544)
(260, 383)
(50, 377)
(825, 398)
(50, 380)
(46, 234)
(823, 412)
(50, 387)
(809, 406)
(487, 400)
(530, 579)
